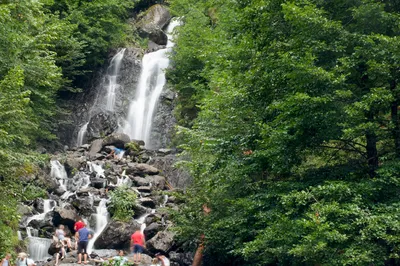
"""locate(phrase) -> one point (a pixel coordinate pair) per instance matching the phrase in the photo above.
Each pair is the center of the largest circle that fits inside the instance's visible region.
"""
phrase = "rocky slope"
(79, 181)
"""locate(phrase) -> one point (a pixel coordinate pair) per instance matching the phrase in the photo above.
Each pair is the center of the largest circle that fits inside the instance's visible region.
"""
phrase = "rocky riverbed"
(79, 182)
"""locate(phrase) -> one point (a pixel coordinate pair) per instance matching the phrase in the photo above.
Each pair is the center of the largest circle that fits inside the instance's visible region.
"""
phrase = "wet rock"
(98, 182)
(83, 206)
(65, 215)
(147, 202)
(24, 210)
(139, 211)
(116, 139)
(116, 235)
(181, 258)
(151, 230)
(101, 124)
(38, 204)
(140, 181)
(144, 189)
(162, 241)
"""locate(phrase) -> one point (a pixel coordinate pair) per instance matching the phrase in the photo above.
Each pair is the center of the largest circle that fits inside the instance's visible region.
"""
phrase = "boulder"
(140, 181)
(95, 147)
(147, 202)
(157, 181)
(141, 169)
(116, 139)
(162, 241)
(101, 124)
(151, 24)
(139, 211)
(83, 206)
(144, 189)
(65, 215)
(181, 258)
(116, 235)
(98, 182)
(151, 230)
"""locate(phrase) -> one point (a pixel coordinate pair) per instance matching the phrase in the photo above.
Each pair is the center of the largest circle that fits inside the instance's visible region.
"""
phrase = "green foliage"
(122, 202)
(295, 141)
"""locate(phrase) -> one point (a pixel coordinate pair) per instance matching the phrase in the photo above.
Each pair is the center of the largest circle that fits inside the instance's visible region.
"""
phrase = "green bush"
(122, 202)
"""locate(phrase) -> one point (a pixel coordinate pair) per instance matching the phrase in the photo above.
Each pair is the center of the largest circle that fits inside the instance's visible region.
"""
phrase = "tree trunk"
(395, 119)
(198, 257)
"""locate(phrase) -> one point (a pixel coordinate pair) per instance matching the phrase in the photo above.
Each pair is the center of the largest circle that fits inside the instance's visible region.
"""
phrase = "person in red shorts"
(137, 245)
(78, 225)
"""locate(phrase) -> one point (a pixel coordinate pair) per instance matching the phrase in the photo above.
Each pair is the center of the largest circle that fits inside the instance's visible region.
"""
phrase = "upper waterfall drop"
(112, 76)
(151, 83)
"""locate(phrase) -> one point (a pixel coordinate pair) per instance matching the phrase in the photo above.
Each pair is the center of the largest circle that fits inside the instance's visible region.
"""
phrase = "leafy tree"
(294, 147)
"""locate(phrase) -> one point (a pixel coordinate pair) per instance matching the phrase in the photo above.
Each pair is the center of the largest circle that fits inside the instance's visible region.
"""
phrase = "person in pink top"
(137, 245)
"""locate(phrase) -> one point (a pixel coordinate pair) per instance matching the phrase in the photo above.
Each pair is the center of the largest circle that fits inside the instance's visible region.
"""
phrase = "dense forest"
(288, 114)
(48, 49)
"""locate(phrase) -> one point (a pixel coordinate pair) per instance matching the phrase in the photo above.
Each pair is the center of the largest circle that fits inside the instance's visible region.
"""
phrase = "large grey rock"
(101, 124)
(177, 178)
(152, 23)
(157, 181)
(116, 235)
(151, 230)
(116, 139)
(147, 202)
(95, 147)
(182, 258)
(162, 241)
(66, 215)
(141, 169)
(140, 181)
(83, 206)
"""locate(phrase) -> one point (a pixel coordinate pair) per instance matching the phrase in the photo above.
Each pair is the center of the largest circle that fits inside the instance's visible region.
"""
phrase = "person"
(116, 153)
(6, 260)
(23, 260)
(154, 262)
(137, 245)
(83, 235)
(77, 226)
(120, 258)
(164, 260)
(60, 233)
(59, 255)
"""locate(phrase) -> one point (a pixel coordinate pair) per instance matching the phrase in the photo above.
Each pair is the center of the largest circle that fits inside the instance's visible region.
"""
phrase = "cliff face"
(90, 110)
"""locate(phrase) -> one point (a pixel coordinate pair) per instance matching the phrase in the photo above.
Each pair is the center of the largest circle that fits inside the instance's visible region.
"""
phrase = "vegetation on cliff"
(46, 48)
(291, 123)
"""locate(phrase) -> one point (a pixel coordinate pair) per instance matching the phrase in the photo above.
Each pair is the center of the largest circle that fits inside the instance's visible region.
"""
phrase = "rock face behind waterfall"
(82, 196)
(152, 23)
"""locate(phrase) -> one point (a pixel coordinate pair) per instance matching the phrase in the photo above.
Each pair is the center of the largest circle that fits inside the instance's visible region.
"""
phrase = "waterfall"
(101, 222)
(98, 169)
(112, 76)
(58, 172)
(151, 83)
(48, 205)
(38, 248)
(81, 134)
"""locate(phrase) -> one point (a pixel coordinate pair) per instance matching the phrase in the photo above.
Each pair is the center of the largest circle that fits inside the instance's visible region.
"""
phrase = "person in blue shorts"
(84, 236)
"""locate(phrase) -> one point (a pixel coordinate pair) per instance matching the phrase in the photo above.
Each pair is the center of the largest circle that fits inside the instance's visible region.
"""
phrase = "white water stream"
(101, 218)
(111, 86)
(151, 83)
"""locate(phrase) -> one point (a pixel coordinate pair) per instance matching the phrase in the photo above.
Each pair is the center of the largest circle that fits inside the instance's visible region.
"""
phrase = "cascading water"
(81, 134)
(112, 76)
(101, 218)
(38, 246)
(151, 83)
(107, 103)
(58, 172)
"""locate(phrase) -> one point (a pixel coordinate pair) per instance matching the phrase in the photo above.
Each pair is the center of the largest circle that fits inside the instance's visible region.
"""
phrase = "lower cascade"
(82, 182)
